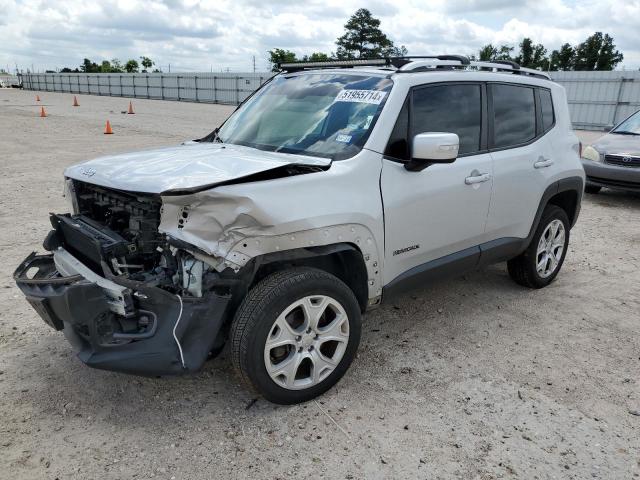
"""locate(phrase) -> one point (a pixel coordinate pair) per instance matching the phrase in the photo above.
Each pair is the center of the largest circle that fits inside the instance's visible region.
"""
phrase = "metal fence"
(597, 100)
(600, 100)
(228, 88)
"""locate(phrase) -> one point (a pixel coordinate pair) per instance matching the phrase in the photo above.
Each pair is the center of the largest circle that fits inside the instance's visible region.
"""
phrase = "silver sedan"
(614, 160)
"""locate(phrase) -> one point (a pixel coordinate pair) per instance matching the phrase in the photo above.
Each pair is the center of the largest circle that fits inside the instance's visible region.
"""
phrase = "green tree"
(116, 66)
(106, 67)
(364, 39)
(490, 52)
(146, 63)
(316, 57)
(131, 66)
(563, 59)
(279, 55)
(487, 53)
(532, 56)
(597, 52)
(89, 67)
(504, 53)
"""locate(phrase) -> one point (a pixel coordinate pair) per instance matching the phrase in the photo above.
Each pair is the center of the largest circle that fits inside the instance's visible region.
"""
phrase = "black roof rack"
(370, 62)
(419, 63)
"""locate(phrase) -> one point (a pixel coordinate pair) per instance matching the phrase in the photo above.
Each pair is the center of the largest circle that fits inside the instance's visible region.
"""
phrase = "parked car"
(614, 160)
(334, 187)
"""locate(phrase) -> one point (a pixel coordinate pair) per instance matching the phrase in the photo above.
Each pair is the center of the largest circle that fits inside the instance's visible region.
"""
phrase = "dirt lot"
(475, 378)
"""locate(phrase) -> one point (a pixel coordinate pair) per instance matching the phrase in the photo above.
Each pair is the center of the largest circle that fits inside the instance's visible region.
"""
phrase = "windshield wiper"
(625, 132)
(213, 137)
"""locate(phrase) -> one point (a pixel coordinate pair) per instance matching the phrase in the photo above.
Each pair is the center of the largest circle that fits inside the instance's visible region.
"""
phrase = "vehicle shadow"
(614, 198)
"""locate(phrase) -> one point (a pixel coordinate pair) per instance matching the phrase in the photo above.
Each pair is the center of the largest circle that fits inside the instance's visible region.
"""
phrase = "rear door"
(442, 209)
(523, 162)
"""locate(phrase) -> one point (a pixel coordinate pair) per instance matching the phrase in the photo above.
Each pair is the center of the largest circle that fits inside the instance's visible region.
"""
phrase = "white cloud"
(199, 35)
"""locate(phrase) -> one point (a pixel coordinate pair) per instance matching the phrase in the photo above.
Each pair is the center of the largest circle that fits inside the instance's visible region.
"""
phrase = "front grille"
(623, 160)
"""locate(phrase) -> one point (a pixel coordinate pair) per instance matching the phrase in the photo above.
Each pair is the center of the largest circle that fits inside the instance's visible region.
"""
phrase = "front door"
(441, 210)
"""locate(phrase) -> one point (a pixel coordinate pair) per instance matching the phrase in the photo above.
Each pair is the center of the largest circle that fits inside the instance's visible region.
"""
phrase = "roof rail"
(509, 66)
(420, 63)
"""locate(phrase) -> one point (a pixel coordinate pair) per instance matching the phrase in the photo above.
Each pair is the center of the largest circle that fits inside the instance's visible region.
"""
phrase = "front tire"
(295, 334)
(541, 262)
(592, 189)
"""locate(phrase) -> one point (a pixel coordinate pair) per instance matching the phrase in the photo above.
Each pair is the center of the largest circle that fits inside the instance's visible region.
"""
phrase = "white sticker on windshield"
(361, 96)
(343, 138)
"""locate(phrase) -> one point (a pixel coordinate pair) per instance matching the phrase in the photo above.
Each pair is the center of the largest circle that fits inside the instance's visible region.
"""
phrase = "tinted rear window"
(514, 115)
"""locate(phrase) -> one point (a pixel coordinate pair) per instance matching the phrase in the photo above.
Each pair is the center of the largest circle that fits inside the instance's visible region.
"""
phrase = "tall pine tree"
(364, 39)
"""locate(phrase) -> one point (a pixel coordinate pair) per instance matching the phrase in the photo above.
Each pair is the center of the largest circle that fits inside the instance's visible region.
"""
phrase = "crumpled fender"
(236, 223)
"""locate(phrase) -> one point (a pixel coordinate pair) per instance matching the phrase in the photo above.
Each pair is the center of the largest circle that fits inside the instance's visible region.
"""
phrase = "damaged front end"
(129, 298)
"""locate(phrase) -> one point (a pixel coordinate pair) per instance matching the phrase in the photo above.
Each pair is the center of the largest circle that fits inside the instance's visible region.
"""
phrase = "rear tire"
(592, 189)
(541, 262)
(295, 334)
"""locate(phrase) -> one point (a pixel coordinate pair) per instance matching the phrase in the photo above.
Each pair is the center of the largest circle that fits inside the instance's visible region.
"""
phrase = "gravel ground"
(474, 378)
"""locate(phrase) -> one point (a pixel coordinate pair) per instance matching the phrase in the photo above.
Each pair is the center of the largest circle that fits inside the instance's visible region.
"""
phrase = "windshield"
(326, 115)
(631, 126)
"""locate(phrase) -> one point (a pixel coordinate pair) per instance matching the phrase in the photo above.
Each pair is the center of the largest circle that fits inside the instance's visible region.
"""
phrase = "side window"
(449, 108)
(514, 115)
(546, 108)
(398, 146)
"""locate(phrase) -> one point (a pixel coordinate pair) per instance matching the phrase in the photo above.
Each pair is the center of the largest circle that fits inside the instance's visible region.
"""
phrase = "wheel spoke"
(333, 332)
(313, 308)
(542, 264)
(542, 246)
(320, 365)
(287, 368)
(558, 241)
(284, 336)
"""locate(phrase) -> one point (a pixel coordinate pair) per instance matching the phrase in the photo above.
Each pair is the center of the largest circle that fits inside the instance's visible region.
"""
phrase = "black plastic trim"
(438, 269)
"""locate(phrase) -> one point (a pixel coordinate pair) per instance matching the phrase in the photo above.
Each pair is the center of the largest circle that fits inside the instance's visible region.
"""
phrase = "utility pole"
(254, 64)
(169, 68)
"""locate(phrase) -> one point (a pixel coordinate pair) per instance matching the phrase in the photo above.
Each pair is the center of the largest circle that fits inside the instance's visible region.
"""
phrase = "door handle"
(543, 162)
(478, 178)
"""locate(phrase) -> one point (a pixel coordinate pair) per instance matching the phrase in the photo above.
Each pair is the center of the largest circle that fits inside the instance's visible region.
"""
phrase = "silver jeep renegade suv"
(332, 188)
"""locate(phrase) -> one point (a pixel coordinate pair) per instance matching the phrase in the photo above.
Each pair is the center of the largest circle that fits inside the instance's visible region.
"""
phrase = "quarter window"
(449, 108)
(546, 108)
(398, 146)
(514, 115)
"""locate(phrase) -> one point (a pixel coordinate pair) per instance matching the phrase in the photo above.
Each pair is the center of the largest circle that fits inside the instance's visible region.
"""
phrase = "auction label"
(361, 96)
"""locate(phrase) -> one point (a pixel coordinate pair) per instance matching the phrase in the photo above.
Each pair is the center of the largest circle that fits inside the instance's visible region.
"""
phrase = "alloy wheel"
(550, 248)
(306, 342)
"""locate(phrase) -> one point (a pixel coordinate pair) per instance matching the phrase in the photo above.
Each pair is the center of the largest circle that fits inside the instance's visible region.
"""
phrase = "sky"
(191, 35)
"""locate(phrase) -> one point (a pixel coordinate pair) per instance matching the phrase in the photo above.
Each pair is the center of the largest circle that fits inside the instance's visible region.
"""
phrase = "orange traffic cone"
(42, 112)
(75, 102)
(107, 129)
(130, 112)
(37, 98)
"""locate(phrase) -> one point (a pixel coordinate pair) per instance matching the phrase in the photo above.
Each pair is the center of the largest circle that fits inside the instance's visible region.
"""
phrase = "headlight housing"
(590, 153)
(69, 194)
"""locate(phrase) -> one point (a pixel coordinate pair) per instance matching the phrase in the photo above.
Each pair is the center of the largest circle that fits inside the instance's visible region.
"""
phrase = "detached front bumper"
(140, 341)
(605, 175)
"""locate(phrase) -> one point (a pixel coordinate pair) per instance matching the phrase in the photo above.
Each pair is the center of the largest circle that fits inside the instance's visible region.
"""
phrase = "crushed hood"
(189, 166)
(618, 144)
